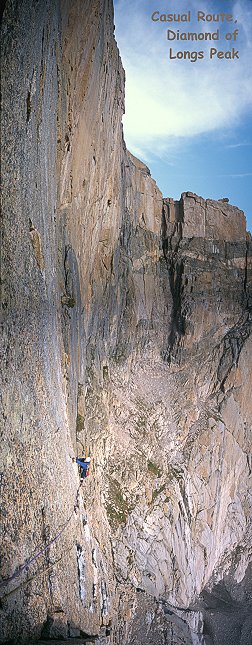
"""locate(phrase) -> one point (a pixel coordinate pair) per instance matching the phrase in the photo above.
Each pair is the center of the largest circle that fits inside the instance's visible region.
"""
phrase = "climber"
(84, 463)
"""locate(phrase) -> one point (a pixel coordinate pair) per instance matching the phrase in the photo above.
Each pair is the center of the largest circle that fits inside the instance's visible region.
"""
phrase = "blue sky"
(191, 122)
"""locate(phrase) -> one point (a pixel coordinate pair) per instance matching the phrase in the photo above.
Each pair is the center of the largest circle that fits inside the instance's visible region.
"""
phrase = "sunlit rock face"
(184, 407)
(126, 335)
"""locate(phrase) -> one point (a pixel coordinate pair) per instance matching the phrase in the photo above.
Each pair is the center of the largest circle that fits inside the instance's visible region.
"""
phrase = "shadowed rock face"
(127, 335)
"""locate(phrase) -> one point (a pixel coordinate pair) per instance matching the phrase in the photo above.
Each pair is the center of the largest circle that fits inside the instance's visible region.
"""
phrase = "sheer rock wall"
(126, 334)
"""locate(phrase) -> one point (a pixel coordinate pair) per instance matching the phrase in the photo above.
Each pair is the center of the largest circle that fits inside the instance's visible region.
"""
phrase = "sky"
(190, 120)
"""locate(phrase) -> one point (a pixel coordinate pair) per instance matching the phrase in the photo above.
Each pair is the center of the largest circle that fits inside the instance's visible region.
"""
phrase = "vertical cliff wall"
(126, 335)
(62, 172)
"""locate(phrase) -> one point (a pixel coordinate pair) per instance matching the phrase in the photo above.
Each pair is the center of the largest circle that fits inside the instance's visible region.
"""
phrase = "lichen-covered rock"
(126, 335)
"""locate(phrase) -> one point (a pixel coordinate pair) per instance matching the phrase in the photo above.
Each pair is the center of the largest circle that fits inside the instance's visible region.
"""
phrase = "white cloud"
(239, 175)
(239, 145)
(167, 99)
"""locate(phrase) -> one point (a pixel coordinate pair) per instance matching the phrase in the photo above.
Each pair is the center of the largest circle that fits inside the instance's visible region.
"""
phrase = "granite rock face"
(126, 334)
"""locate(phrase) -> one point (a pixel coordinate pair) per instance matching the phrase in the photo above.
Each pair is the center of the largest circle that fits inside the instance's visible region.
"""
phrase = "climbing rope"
(25, 566)
(39, 572)
(80, 442)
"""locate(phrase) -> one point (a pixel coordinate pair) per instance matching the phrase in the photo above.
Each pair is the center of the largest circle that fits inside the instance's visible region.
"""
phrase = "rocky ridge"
(127, 334)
